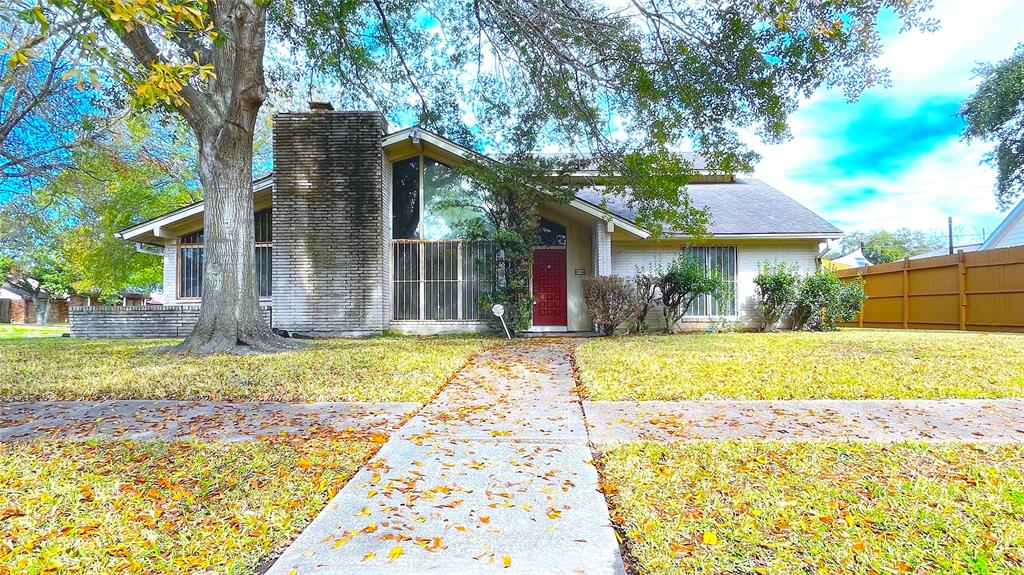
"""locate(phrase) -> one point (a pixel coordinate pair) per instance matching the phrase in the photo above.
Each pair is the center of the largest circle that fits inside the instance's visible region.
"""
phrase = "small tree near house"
(776, 284)
(686, 279)
(646, 282)
(611, 301)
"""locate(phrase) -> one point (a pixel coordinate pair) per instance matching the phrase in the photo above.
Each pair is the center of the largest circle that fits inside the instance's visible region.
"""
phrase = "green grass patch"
(849, 364)
(17, 330)
(821, 507)
(377, 369)
(154, 507)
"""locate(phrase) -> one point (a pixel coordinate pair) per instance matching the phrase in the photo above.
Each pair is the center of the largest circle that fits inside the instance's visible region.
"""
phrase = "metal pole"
(950, 222)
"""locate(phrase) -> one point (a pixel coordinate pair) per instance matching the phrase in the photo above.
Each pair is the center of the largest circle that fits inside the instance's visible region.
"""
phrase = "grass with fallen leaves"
(821, 507)
(377, 369)
(849, 364)
(155, 507)
(17, 330)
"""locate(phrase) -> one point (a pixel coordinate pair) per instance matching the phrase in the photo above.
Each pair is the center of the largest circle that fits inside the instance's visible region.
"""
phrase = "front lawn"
(818, 507)
(17, 330)
(377, 369)
(154, 507)
(849, 364)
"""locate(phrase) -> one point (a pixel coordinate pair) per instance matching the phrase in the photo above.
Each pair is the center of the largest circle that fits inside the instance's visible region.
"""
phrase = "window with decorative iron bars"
(723, 259)
(190, 259)
(440, 280)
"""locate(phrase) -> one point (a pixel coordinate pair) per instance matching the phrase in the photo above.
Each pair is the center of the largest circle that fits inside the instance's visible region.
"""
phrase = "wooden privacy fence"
(981, 291)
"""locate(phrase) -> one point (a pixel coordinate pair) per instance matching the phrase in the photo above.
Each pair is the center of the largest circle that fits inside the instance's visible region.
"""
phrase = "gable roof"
(744, 208)
(1012, 219)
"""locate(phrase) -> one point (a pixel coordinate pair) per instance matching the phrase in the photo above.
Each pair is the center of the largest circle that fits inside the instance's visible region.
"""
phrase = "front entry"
(549, 288)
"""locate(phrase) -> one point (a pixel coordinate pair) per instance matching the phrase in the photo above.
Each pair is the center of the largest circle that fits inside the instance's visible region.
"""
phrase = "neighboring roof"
(854, 259)
(15, 290)
(747, 207)
(1014, 218)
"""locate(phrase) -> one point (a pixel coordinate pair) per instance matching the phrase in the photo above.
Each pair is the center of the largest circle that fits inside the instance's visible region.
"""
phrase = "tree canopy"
(627, 85)
(995, 113)
(882, 246)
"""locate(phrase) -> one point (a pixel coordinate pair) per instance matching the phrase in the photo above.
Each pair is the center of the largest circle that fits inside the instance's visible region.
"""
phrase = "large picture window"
(723, 259)
(429, 200)
(190, 259)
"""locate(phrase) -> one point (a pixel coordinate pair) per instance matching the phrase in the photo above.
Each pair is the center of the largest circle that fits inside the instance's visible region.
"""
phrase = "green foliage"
(776, 285)
(882, 247)
(611, 301)
(995, 113)
(686, 279)
(66, 235)
(646, 281)
(824, 299)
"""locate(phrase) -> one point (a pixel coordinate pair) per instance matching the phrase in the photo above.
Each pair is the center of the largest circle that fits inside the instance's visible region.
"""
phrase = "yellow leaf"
(395, 553)
(368, 556)
(506, 561)
(709, 538)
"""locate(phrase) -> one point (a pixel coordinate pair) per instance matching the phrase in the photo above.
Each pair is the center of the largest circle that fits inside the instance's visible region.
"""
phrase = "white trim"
(831, 236)
(155, 226)
(1004, 226)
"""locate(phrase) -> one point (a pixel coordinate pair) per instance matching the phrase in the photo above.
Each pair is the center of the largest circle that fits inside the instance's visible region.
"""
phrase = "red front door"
(549, 287)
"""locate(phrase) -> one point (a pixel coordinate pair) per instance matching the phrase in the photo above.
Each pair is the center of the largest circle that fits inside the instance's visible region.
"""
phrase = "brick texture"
(137, 321)
(330, 216)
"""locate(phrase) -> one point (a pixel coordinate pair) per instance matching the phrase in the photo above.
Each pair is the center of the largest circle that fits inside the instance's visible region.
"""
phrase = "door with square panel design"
(549, 287)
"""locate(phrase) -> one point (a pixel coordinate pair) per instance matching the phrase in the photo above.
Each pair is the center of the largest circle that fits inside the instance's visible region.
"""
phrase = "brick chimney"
(331, 223)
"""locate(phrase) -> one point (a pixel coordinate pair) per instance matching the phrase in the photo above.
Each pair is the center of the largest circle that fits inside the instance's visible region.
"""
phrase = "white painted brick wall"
(170, 286)
(801, 253)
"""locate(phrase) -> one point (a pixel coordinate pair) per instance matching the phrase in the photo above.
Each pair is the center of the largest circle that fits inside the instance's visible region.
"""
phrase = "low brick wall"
(137, 321)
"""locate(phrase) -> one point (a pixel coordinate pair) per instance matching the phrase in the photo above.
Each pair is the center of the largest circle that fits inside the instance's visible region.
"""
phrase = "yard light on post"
(499, 311)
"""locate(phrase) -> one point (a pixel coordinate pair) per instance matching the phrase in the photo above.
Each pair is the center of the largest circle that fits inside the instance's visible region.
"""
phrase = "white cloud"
(947, 180)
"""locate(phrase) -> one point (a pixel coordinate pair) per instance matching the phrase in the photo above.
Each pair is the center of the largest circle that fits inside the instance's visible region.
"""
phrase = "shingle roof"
(746, 207)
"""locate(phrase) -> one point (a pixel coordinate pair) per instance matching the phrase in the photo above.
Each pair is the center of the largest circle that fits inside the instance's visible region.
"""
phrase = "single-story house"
(1009, 232)
(18, 305)
(350, 239)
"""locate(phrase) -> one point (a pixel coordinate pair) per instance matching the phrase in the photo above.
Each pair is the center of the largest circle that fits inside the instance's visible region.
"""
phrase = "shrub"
(647, 280)
(686, 279)
(776, 285)
(824, 299)
(611, 301)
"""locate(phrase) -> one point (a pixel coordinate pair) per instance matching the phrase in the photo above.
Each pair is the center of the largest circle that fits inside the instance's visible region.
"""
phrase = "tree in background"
(69, 224)
(881, 246)
(48, 106)
(627, 83)
(995, 113)
(776, 284)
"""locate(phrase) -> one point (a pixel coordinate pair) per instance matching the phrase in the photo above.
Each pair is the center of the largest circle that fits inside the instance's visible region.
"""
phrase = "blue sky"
(894, 158)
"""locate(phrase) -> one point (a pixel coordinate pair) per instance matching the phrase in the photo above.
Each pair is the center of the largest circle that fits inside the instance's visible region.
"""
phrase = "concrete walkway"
(494, 475)
(978, 421)
(144, 419)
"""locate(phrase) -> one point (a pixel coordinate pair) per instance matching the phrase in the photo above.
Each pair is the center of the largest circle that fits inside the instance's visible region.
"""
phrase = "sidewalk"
(494, 475)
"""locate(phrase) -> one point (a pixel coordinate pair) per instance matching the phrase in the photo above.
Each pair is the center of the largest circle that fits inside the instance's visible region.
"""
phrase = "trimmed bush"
(611, 301)
(776, 284)
(824, 299)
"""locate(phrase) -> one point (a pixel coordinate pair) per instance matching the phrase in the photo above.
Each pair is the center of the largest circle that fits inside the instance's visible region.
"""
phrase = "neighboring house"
(1009, 232)
(350, 239)
(20, 306)
(854, 259)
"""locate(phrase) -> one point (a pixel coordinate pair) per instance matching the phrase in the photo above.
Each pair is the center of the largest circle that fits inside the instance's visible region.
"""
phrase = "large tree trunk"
(230, 319)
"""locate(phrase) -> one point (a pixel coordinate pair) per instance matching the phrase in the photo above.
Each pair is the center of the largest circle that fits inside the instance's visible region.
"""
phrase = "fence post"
(963, 290)
(906, 293)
